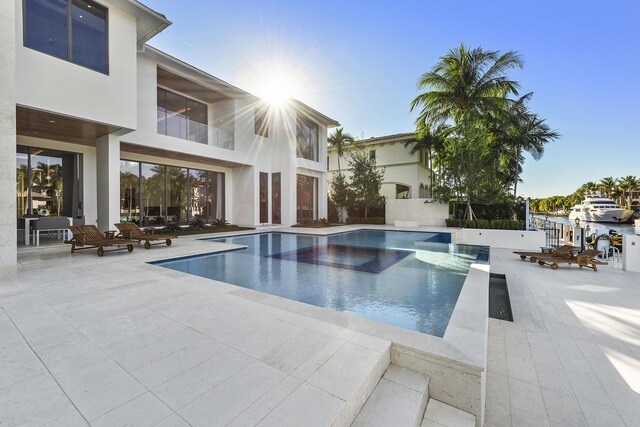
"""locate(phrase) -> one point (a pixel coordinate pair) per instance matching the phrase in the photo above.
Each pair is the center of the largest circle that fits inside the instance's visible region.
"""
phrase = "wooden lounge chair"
(583, 259)
(129, 230)
(89, 237)
(565, 251)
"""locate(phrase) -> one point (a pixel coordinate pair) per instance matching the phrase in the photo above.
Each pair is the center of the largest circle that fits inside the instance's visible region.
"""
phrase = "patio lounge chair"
(583, 259)
(88, 237)
(129, 230)
(565, 251)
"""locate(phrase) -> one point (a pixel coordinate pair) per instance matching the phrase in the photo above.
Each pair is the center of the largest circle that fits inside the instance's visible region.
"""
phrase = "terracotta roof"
(406, 135)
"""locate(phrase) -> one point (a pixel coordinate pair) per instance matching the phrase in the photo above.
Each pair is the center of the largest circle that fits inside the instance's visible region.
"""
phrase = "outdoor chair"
(585, 258)
(89, 237)
(130, 230)
(49, 224)
(565, 251)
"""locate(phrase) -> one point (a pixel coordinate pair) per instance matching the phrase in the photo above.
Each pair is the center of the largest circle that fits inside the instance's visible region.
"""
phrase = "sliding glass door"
(48, 182)
(153, 194)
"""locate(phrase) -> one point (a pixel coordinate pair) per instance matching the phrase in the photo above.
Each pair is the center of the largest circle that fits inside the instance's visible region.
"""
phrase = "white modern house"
(406, 176)
(100, 127)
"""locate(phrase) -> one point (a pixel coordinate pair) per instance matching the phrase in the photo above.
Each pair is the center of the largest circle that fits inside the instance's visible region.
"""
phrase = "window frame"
(305, 121)
(262, 128)
(69, 17)
(186, 99)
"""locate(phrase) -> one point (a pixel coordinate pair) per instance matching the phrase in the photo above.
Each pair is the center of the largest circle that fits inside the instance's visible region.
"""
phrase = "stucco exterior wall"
(416, 210)
(52, 84)
(8, 254)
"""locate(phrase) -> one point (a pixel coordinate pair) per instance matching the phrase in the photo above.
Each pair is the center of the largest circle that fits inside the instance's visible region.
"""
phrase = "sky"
(358, 62)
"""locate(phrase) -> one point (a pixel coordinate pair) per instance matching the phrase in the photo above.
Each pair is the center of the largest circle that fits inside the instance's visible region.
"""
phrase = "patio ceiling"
(42, 124)
(175, 155)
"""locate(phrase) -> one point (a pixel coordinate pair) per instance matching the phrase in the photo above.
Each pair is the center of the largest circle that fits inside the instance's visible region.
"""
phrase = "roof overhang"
(149, 22)
(315, 114)
(196, 75)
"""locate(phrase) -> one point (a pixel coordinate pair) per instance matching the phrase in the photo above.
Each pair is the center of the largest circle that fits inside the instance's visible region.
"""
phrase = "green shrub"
(371, 220)
(492, 224)
(220, 223)
(197, 223)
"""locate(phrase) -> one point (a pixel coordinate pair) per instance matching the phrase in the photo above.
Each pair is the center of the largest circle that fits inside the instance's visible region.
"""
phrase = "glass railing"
(222, 138)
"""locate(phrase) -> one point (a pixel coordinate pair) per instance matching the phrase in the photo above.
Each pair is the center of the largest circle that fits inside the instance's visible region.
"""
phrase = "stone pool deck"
(115, 341)
(572, 355)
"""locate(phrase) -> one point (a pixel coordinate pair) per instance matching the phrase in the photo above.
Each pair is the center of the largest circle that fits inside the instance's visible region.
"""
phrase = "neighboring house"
(406, 176)
(111, 129)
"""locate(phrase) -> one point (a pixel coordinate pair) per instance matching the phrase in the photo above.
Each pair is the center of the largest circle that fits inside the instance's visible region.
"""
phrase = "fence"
(553, 231)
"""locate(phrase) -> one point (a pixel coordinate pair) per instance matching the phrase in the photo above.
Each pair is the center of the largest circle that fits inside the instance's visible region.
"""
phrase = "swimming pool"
(403, 278)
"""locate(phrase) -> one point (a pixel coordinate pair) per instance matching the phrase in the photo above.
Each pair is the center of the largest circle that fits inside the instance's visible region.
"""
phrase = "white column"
(8, 228)
(108, 181)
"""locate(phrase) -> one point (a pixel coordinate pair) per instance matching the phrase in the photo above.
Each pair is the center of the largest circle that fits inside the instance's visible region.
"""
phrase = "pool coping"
(456, 362)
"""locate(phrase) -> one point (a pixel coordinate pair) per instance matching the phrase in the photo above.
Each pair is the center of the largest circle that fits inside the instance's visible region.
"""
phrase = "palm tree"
(467, 86)
(627, 184)
(529, 133)
(607, 185)
(431, 141)
(339, 141)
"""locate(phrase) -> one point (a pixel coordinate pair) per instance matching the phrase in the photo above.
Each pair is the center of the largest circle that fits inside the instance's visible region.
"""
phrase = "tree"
(431, 141)
(523, 130)
(339, 192)
(607, 185)
(466, 89)
(366, 181)
(339, 140)
(627, 184)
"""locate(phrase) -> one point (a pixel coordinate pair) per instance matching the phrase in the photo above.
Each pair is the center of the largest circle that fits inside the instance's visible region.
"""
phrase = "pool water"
(407, 279)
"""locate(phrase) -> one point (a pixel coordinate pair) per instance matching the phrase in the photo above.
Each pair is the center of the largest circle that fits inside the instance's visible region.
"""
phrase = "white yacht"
(595, 208)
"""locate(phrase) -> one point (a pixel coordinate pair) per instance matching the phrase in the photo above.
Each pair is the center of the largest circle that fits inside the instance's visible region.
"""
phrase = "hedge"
(358, 220)
(494, 224)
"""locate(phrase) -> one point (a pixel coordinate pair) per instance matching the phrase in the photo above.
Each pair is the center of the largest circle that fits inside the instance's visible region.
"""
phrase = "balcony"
(221, 138)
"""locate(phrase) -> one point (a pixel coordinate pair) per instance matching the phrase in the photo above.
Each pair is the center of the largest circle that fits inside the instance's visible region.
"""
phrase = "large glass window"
(152, 180)
(176, 194)
(48, 182)
(402, 191)
(264, 197)
(307, 198)
(73, 30)
(307, 139)
(261, 121)
(22, 181)
(129, 191)
(169, 194)
(275, 198)
(182, 117)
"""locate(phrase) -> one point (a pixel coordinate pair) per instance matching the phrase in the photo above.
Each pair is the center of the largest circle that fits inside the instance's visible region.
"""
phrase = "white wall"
(631, 253)
(509, 239)
(416, 210)
(244, 208)
(7, 135)
(51, 84)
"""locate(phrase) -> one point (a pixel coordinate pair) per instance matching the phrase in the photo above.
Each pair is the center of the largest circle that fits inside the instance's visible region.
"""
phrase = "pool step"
(399, 399)
(440, 414)
(335, 384)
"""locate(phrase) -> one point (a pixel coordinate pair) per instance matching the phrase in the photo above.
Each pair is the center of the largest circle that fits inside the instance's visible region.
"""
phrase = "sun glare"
(278, 83)
(276, 89)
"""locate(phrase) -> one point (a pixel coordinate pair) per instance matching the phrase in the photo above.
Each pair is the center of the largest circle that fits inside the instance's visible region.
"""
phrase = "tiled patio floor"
(113, 340)
(572, 355)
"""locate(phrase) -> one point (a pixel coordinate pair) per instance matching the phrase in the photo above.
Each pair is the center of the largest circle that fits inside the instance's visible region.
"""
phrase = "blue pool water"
(406, 279)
